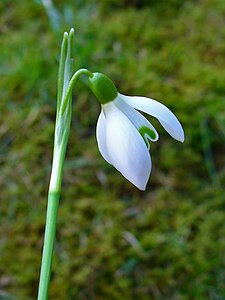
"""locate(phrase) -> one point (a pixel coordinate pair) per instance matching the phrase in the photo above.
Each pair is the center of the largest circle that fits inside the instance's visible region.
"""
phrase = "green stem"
(51, 219)
(71, 84)
(62, 129)
(50, 229)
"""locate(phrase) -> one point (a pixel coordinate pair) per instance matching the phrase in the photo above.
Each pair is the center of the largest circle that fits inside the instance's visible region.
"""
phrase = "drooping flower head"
(124, 135)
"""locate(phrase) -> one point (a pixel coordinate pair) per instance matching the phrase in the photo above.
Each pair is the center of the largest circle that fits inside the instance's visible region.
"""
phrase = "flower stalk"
(66, 81)
(62, 128)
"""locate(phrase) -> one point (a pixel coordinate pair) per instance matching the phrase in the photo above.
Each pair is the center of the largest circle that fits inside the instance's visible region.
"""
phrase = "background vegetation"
(113, 241)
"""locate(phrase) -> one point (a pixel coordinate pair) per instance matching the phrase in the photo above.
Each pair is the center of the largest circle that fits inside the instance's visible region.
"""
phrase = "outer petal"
(167, 119)
(101, 137)
(126, 148)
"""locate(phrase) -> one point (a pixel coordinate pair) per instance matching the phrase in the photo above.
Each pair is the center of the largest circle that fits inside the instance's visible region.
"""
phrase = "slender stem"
(50, 229)
(71, 84)
(62, 129)
(51, 219)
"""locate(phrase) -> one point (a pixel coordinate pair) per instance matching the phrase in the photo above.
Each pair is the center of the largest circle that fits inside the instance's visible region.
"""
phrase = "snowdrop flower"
(124, 135)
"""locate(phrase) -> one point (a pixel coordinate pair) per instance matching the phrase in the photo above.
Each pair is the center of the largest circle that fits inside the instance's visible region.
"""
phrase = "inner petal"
(147, 134)
(144, 127)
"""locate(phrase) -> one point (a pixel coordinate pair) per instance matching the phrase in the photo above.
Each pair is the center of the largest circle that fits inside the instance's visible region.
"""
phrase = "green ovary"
(103, 88)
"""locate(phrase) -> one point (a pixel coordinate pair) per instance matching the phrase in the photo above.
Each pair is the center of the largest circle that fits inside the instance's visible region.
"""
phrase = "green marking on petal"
(146, 130)
(147, 133)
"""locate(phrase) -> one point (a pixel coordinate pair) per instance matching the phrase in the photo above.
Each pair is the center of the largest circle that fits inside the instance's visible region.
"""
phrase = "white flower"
(124, 135)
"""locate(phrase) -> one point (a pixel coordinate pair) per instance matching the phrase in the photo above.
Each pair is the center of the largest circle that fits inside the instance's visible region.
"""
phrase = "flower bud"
(103, 88)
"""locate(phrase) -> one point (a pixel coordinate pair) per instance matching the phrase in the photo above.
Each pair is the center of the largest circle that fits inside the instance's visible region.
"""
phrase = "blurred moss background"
(113, 241)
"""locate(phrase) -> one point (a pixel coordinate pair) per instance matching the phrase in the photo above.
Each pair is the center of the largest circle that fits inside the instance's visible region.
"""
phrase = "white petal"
(137, 119)
(126, 148)
(167, 119)
(101, 136)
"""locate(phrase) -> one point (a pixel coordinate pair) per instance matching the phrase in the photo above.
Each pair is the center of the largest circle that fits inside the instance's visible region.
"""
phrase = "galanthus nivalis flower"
(124, 135)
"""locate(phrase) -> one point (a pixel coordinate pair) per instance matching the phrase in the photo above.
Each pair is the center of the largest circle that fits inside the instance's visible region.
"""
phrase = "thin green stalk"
(62, 128)
(73, 80)
(52, 210)
(50, 229)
